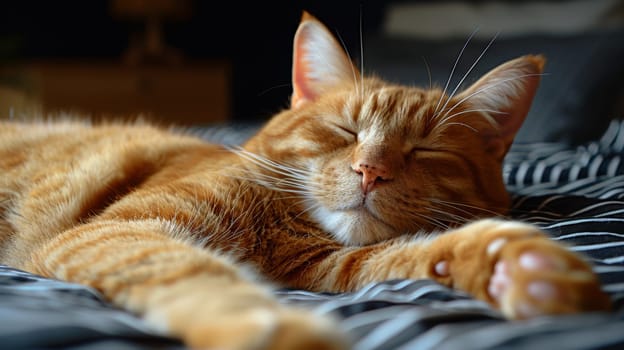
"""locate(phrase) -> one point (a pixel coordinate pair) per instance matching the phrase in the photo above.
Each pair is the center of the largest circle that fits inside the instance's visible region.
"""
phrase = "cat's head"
(369, 160)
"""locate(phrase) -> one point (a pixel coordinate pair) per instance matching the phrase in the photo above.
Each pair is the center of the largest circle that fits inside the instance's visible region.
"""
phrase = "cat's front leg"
(196, 295)
(512, 265)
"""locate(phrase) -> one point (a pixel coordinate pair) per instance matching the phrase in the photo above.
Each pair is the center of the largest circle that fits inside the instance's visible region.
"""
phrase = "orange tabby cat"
(332, 194)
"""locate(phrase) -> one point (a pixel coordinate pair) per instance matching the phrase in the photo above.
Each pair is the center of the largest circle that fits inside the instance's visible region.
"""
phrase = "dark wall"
(256, 37)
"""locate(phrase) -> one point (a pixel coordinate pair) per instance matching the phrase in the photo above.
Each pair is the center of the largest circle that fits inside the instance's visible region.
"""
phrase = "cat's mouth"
(367, 212)
(357, 224)
(360, 206)
(364, 207)
(367, 209)
(375, 226)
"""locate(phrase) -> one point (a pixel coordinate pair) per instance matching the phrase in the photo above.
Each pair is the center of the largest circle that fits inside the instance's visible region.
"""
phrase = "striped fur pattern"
(347, 187)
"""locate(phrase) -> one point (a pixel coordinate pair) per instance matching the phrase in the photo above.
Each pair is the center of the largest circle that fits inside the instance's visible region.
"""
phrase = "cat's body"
(336, 192)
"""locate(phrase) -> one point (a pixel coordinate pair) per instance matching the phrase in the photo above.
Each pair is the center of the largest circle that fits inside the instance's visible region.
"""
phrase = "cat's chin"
(354, 226)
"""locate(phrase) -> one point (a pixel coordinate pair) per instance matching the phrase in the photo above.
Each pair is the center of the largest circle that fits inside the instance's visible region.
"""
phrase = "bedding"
(575, 193)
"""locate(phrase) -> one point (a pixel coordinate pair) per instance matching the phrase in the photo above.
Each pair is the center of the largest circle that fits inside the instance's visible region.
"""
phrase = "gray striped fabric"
(575, 194)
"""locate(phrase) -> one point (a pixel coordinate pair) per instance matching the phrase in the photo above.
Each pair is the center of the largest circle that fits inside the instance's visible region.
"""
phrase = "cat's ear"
(319, 62)
(508, 90)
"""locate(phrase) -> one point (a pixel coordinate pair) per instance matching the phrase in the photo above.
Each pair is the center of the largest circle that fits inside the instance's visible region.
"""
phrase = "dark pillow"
(576, 99)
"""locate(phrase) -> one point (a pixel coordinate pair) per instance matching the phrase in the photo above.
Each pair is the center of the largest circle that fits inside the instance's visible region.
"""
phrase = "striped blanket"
(573, 193)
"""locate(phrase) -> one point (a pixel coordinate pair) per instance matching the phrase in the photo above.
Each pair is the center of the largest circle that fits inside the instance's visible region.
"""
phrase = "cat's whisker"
(274, 167)
(446, 120)
(464, 125)
(458, 206)
(295, 181)
(428, 219)
(285, 189)
(461, 81)
(275, 183)
(281, 181)
(361, 55)
(289, 183)
(273, 88)
(308, 208)
(428, 71)
(253, 178)
(488, 87)
(478, 110)
(353, 70)
(448, 81)
(293, 197)
(450, 217)
(269, 164)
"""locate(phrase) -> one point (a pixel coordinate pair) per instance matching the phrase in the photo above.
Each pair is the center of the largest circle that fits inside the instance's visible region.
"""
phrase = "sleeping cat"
(358, 181)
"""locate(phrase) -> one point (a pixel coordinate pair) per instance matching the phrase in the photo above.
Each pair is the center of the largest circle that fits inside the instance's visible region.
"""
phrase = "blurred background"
(179, 60)
(195, 62)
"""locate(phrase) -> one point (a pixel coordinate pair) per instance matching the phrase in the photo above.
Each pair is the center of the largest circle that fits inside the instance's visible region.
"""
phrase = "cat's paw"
(524, 273)
(208, 312)
(267, 329)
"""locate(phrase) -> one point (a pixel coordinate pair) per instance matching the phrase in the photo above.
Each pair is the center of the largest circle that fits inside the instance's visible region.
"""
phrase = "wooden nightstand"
(190, 94)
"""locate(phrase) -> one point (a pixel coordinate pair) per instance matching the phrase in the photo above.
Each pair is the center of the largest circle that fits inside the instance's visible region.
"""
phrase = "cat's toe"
(442, 268)
(500, 281)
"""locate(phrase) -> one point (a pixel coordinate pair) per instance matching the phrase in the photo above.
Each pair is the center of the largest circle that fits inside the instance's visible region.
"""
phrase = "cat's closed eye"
(345, 132)
(421, 149)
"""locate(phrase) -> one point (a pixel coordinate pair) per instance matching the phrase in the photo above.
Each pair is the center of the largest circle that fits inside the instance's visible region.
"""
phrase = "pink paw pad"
(502, 278)
(535, 261)
(442, 268)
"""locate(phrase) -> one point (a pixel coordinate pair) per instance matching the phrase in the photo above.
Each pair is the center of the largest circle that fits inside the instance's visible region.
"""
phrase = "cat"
(359, 180)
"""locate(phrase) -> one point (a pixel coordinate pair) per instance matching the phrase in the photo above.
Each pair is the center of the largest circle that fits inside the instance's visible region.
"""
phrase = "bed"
(575, 193)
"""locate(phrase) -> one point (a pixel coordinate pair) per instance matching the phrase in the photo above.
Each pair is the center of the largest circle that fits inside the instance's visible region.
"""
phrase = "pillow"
(577, 97)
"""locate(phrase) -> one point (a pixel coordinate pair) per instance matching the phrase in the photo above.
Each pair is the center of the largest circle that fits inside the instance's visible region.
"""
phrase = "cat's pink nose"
(372, 174)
